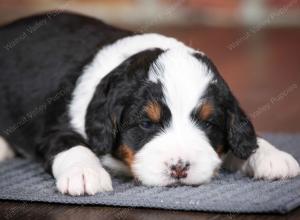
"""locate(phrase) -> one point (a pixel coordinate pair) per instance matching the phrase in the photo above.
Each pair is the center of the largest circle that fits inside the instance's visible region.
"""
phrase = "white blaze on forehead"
(105, 61)
(184, 79)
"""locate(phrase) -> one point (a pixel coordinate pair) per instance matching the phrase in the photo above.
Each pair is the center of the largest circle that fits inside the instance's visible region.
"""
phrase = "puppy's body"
(39, 73)
(77, 90)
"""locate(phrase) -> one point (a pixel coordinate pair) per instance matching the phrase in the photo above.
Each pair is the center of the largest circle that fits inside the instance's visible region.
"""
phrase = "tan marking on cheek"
(153, 110)
(127, 154)
(206, 111)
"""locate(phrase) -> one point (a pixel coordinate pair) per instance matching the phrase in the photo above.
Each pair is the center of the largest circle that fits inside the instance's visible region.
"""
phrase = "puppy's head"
(170, 117)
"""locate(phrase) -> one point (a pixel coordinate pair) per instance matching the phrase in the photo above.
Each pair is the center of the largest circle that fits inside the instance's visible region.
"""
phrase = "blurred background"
(254, 43)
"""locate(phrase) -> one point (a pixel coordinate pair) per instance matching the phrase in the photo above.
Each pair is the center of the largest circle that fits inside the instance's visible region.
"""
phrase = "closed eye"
(211, 124)
(207, 124)
(146, 125)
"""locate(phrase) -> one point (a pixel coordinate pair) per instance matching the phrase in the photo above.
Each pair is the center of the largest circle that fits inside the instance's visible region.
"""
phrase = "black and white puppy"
(85, 97)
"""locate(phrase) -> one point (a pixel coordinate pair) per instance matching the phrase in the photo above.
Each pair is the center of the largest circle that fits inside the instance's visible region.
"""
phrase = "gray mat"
(26, 181)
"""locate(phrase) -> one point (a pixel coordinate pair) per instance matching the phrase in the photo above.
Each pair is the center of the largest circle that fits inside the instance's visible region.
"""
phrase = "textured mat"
(26, 181)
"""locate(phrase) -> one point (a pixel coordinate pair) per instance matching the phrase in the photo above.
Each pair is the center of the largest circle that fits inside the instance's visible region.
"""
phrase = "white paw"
(78, 171)
(270, 163)
(84, 180)
(5, 150)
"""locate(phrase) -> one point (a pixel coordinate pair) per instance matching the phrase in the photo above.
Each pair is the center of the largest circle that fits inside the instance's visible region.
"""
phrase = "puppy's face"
(164, 147)
(179, 121)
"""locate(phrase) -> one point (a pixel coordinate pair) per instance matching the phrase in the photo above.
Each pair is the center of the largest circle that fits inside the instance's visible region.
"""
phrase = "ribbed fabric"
(25, 180)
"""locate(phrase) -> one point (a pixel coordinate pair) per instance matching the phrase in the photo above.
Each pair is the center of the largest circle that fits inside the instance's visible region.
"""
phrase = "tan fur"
(206, 111)
(127, 154)
(153, 110)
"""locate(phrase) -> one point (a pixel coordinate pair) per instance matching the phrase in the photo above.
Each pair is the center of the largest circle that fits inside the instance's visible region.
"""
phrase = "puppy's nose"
(179, 170)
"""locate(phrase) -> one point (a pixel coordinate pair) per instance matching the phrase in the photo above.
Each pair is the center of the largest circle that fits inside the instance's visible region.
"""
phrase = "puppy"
(84, 97)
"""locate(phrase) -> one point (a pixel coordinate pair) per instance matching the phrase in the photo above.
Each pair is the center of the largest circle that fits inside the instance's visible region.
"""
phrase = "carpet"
(25, 180)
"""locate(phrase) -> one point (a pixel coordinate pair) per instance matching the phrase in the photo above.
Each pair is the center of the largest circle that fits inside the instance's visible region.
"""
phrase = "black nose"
(179, 170)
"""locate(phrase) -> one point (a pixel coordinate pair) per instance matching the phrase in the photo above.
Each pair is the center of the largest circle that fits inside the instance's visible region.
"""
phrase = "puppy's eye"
(207, 124)
(146, 124)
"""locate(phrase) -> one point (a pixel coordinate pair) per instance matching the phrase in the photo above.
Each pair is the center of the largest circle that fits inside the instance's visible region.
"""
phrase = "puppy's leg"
(76, 168)
(266, 163)
(5, 150)
(270, 163)
(78, 171)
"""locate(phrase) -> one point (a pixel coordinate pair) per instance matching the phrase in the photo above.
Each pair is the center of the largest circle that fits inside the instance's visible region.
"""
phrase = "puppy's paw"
(270, 163)
(84, 180)
(78, 171)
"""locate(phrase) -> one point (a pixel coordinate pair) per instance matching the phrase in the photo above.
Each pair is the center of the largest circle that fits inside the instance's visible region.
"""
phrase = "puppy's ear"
(100, 129)
(241, 135)
(112, 96)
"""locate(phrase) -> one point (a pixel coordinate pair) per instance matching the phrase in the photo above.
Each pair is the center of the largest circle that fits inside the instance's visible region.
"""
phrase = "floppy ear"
(241, 135)
(112, 95)
(100, 121)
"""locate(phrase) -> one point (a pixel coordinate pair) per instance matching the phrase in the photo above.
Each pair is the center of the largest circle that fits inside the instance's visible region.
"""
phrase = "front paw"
(78, 171)
(84, 180)
(270, 163)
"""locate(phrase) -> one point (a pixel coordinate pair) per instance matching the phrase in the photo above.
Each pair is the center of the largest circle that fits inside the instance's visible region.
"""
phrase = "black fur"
(228, 126)
(121, 96)
(38, 76)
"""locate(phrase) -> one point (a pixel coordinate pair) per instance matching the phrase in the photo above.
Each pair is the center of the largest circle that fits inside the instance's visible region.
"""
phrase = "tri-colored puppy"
(84, 96)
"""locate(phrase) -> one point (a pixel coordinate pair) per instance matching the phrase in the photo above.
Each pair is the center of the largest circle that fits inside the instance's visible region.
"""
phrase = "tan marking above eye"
(206, 110)
(153, 110)
(127, 154)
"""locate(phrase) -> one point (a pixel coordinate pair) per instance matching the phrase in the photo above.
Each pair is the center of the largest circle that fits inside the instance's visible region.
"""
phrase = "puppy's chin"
(159, 177)
(153, 164)
(151, 179)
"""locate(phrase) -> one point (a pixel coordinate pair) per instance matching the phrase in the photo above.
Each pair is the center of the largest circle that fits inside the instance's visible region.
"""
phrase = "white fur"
(105, 61)
(270, 163)
(5, 150)
(267, 163)
(184, 81)
(78, 171)
(117, 167)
